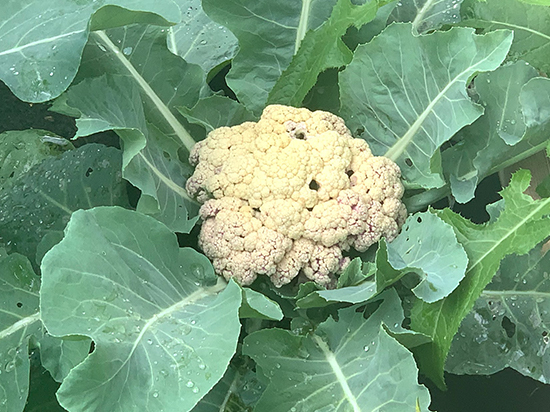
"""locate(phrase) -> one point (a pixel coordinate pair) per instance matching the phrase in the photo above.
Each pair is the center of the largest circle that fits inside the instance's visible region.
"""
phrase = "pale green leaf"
(19, 319)
(406, 95)
(343, 366)
(60, 355)
(151, 160)
(269, 34)
(257, 305)
(515, 125)
(426, 15)
(155, 312)
(520, 226)
(509, 325)
(199, 40)
(428, 247)
(41, 42)
(530, 23)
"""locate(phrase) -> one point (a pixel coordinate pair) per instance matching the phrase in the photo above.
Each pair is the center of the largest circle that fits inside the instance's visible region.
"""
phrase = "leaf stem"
(180, 131)
(20, 324)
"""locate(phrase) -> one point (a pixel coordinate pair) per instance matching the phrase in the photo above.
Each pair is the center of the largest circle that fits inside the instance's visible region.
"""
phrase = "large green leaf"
(19, 319)
(531, 25)
(60, 355)
(344, 366)
(320, 49)
(406, 95)
(199, 40)
(269, 34)
(509, 325)
(156, 313)
(42, 200)
(520, 226)
(515, 125)
(41, 42)
(428, 247)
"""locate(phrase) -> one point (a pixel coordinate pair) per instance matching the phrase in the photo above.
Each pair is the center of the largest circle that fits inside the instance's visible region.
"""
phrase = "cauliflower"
(288, 194)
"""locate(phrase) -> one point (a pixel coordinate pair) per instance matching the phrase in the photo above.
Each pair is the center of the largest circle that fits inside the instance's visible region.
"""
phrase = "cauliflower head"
(289, 194)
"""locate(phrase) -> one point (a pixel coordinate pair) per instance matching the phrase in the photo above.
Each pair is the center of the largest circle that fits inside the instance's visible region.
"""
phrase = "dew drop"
(190, 384)
(366, 348)
(127, 50)
(155, 394)
(195, 390)
(150, 341)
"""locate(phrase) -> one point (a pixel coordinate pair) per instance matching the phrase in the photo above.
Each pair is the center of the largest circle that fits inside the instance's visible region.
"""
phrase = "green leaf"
(269, 34)
(155, 313)
(509, 325)
(42, 200)
(19, 319)
(217, 111)
(151, 158)
(427, 15)
(41, 42)
(164, 81)
(428, 247)
(515, 125)
(257, 305)
(520, 226)
(342, 366)
(531, 25)
(199, 40)
(406, 95)
(320, 49)
(60, 355)
(20, 150)
(539, 2)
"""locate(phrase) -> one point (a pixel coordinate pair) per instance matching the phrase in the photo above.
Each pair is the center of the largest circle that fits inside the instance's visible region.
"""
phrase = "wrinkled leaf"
(199, 40)
(155, 313)
(269, 34)
(343, 366)
(509, 325)
(520, 226)
(43, 199)
(19, 319)
(428, 247)
(41, 42)
(406, 95)
(320, 49)
(531, 25)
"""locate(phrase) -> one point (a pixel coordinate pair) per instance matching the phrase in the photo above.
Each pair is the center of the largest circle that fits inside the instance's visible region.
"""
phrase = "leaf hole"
(419, 219)
(508, 326)
(408, 162)
(89, 172)
(19, 304)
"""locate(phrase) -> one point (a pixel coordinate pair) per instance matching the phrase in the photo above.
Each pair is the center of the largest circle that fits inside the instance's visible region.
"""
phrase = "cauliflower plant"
(288, 194)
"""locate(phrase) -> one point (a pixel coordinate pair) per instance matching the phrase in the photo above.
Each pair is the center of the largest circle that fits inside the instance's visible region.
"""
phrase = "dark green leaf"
(43, 199)
(519, 227)
(256, 305)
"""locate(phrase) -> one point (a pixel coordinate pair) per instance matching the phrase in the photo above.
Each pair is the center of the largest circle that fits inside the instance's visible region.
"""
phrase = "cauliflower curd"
(288, 194)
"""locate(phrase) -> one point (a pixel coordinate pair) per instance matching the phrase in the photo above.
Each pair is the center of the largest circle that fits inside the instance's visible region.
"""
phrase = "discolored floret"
(289, 194)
